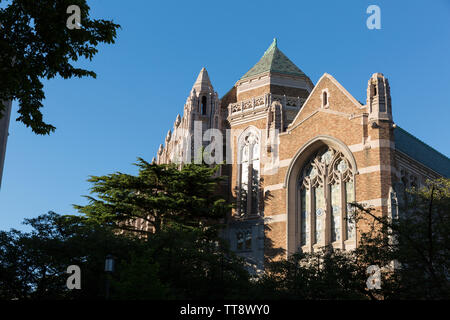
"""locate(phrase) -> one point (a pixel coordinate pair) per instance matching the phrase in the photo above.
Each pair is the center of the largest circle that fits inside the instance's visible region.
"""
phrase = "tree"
(184, 210)
(33, 264)
(324, 275)
(177, 263)
(158, 195)
(412, 251)
(139, 279)
(183, 257)
(411, 248)
(194, 265)
(36, 44)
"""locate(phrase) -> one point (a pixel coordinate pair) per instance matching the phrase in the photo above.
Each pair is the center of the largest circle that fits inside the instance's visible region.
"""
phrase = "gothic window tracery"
(244, 240)
(248, 176)
(326, 189)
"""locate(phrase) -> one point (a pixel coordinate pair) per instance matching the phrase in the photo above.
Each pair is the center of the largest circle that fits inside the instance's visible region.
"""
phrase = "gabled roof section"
(274, 60)
(355, 102)
(420, 151)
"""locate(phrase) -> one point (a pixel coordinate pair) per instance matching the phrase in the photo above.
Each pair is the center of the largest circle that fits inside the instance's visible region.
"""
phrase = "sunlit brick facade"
(300, 153)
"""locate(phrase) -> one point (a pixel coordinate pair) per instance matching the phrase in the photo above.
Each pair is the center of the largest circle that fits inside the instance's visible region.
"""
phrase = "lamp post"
(109, 269)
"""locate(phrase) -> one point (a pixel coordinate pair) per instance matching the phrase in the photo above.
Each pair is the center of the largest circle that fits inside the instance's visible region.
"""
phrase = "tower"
(203, 103)
(201, 112)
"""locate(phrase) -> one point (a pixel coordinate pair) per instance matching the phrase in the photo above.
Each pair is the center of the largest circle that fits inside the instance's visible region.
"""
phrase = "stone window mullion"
(312, 216)
(250, 180)
(239, 188)
(298, 217)
(328, 209)
(343, 211)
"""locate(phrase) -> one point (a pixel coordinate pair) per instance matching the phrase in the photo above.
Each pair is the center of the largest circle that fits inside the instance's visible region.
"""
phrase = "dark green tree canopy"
(159, 194)
(36, 44)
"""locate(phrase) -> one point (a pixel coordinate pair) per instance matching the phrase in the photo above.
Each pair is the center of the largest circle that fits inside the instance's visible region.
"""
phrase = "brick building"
(298, 153)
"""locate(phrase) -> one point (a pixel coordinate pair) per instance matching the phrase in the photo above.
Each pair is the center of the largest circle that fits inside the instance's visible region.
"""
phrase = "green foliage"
(35, 43)
(33, 265)
(185, 258)
(176, 263)
(324, 275)
(139, 280)
(412, 251)
(159, 194)
(196, 266)
(413, 248)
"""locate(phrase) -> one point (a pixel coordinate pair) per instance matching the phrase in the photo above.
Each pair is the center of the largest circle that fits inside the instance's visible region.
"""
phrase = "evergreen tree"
(158, 195)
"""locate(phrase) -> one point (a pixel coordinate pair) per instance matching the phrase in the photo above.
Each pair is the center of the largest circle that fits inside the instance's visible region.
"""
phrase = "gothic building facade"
(298, 153)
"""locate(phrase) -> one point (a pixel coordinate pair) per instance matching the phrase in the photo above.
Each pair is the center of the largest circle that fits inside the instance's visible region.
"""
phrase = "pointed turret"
(379, 98)
(203, 84)
(177, 121)
(201, 110)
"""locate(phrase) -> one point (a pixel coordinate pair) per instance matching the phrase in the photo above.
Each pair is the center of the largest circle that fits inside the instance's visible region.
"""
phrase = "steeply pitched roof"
(202, 83)
(420, 151)
(274, 60)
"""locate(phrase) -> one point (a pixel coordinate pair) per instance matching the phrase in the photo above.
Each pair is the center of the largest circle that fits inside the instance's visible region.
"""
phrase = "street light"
(109, 269)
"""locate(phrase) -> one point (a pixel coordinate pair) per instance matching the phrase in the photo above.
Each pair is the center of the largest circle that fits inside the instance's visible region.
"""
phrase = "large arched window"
(248, 173)
(325, 189)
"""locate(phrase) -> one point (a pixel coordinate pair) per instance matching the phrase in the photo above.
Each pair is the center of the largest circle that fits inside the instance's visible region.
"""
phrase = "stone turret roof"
(420, 151)
(274, 60)
(202, 83)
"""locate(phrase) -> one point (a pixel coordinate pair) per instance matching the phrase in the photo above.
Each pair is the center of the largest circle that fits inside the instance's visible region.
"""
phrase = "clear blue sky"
(103, 125)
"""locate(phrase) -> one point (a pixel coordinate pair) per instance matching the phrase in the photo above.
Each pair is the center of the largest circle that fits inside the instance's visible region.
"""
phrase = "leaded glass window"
(305, 209)
(249, 176)
(244, 240)
(326, 185)
(335, 212)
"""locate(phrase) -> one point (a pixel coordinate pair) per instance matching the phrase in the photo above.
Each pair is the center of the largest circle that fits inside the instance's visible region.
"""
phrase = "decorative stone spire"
(160, 149)
(202, 84)
(177, 121)
(202, 109)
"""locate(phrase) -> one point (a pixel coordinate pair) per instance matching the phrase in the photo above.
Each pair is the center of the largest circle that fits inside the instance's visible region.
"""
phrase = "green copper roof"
(274, 60)
(420, 151)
